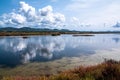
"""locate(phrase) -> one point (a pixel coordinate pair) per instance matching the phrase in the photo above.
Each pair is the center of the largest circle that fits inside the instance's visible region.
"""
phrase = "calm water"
(17, 50)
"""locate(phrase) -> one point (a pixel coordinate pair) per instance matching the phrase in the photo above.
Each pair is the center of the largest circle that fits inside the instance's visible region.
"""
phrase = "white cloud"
(46, 10)
(86, 13)
(74, 19)
(13, 19)
(17, 18)
(25, 7)
(98, 13)
(27, 10)
(51, 19)
(59, 17)
(27, 15)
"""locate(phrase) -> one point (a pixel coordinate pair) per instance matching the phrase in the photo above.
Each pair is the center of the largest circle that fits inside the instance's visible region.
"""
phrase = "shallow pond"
(58, 51)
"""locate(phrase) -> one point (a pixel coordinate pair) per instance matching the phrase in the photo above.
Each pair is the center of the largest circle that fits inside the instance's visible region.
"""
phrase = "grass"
(108, 70)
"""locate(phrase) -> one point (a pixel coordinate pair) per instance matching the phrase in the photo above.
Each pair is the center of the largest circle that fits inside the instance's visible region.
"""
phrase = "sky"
(84, 15)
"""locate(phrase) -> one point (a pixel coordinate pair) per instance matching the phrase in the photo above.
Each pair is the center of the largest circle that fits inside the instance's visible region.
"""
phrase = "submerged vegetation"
(108, 70)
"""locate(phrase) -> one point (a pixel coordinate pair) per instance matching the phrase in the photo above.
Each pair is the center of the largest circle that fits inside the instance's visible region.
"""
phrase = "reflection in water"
(31, 48)
(117, 40)
(16, 50)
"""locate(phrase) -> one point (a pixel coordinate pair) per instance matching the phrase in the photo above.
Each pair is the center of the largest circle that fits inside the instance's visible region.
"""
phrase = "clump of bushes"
(108, 70)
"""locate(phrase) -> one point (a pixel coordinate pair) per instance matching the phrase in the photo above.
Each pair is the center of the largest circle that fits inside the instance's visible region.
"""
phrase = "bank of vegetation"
(108, 70)
(26, 31)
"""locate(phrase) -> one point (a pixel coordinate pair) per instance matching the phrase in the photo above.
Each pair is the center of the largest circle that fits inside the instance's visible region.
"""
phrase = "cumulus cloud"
(117, 25)
(51, 19)
(17, 18)
(46, 10)
(28, 11)
(27, 15)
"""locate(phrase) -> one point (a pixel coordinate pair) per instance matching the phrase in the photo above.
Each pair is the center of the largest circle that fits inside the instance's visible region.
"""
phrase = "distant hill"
(28, 29)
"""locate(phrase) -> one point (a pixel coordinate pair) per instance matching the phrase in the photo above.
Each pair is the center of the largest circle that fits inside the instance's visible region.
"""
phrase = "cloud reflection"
(16, 50)
(31, 48)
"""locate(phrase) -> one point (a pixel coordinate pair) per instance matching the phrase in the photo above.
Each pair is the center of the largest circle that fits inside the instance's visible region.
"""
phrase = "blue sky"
(77, 14)
(9, 5)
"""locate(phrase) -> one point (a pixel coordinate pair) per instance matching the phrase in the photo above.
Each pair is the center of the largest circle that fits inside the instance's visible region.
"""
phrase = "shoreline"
(54, 33)
(108, 70)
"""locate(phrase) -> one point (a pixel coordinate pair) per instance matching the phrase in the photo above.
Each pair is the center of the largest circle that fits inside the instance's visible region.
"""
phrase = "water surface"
(16, 50)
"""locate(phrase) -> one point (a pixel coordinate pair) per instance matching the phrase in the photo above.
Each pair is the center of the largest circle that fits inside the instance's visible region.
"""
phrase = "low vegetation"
(108, 70)
(54, 32)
